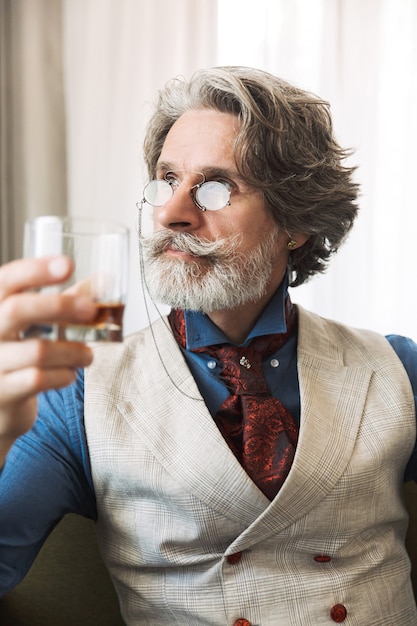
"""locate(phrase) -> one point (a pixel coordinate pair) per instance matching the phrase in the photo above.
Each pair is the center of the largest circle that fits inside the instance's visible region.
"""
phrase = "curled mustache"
(153, 245)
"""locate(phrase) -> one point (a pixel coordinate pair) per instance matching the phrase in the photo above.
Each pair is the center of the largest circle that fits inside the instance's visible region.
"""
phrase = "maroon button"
(234, 558)
(322, 558)
(242, 622)
(338, 613)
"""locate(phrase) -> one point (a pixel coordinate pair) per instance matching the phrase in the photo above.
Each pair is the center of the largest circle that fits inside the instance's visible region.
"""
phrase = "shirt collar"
(201, 331)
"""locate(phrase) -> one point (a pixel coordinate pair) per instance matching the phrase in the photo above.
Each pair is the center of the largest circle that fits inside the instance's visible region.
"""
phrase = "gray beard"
(220, 277)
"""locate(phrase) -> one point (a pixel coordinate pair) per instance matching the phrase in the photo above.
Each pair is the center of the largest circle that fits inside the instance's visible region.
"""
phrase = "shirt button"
(242, 622)
(338, 613)
(232, 559)
(211, 365)
(274, 362)
(322, 558)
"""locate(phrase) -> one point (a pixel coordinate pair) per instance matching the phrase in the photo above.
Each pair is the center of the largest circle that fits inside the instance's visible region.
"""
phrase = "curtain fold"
(6, 195)
(33, 135)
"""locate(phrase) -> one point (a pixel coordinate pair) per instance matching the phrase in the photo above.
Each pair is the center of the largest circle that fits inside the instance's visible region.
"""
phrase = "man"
(243, 457)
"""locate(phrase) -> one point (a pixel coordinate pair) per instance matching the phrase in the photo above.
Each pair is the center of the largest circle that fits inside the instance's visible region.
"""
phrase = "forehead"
(200, 139)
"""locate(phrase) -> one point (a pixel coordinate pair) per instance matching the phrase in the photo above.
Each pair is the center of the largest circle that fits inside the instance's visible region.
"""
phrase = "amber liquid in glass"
(106, 326)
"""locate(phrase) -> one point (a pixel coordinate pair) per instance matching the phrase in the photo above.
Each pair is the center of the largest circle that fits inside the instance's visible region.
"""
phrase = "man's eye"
(226, 183)
(172, 181)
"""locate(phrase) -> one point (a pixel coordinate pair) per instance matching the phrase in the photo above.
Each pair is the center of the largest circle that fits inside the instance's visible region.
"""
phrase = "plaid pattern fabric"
(174, 502)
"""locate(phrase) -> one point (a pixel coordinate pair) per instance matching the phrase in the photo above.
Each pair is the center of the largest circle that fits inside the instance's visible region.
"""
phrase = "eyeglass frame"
(193, 190)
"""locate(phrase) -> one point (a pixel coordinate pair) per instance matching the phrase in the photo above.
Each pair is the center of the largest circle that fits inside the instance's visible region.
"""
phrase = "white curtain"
(362, 57)
(32, 118)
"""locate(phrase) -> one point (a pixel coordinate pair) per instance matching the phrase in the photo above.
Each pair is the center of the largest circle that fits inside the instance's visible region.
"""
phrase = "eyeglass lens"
(210, 195)
(157, 192)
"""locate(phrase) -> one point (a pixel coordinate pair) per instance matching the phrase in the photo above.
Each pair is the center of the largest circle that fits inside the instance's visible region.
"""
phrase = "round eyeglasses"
(207, 196)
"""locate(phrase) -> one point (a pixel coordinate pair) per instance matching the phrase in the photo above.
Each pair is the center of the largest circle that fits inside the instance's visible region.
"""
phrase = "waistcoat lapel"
(166, 410)
(333, 396)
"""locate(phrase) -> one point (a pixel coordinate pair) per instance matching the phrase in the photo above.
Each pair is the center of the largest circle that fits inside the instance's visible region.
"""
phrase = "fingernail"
(58, 267)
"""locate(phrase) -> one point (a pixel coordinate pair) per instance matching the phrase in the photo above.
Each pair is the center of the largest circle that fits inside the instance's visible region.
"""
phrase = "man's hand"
(30, 366)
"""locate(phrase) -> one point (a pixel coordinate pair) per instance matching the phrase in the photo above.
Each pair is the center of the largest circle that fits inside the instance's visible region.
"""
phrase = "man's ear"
(296, 241)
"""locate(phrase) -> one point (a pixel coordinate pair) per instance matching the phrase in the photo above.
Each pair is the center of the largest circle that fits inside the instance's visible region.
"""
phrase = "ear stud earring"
(291, 244)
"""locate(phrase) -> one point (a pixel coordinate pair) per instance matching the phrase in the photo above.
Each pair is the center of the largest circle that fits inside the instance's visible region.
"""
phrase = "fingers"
(31, 273)
(34, 366)
(45, 354)
(30, 367)
(18, 386)
(20, 308)
(19, 311)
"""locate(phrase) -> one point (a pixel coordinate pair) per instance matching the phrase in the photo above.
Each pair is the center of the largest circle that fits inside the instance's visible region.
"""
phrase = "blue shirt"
(48, 474)
(280, 369)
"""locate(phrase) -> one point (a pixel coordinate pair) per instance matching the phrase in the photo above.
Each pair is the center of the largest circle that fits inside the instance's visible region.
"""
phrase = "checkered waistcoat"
(190, 540)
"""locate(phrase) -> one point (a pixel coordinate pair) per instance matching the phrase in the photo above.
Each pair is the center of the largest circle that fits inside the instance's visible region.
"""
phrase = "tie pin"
(245, 362)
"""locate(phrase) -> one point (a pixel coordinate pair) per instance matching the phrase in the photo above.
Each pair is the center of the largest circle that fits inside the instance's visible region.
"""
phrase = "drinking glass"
(99, 252)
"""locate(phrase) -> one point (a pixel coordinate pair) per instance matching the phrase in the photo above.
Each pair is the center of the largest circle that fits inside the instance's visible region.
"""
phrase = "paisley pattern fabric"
(259, 430)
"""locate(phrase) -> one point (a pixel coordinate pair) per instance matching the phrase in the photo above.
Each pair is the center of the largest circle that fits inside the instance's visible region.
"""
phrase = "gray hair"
(284, 147)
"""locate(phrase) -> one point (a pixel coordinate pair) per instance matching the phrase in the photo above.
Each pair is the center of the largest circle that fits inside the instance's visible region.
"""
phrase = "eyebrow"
(209, 172)
(162, 166)
(222, 172)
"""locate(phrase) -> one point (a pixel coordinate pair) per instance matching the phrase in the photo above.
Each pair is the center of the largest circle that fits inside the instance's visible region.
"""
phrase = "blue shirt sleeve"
(406, 350)
(46, 475)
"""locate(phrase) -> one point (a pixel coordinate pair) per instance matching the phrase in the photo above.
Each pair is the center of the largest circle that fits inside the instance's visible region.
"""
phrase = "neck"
(237, 323)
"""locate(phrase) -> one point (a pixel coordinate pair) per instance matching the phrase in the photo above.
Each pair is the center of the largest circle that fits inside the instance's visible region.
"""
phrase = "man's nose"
(179, 212)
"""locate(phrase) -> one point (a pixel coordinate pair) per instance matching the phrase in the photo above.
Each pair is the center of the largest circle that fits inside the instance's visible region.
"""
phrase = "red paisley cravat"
(259, 430)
